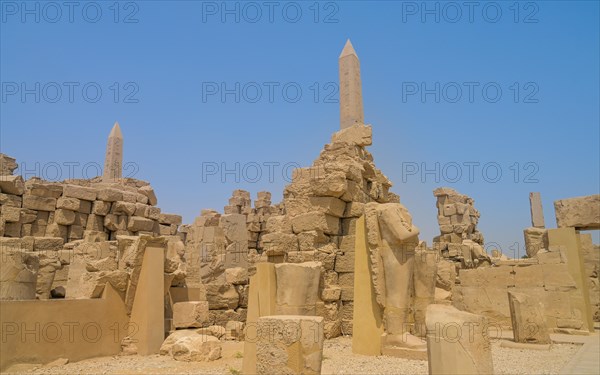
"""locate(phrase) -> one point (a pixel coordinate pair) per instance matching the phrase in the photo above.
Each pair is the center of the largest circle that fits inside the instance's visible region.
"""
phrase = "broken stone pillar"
(351, 103)
(527, 316)
(49, 263)
(536, 239)
(297, 288)
(113, 161)
(261, 302)
(457, 342)
(18, 271)
(537, 212)
(570, 239)
(289, 344)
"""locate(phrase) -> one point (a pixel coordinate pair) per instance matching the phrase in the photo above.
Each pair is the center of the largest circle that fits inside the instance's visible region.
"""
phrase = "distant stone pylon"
(113, 162)
(351, 103)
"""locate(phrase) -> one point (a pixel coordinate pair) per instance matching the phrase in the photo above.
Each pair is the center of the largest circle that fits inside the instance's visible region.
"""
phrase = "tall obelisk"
(113, 162)
(351, 104)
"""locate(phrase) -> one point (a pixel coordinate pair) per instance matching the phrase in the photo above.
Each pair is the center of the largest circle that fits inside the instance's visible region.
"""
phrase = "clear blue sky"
(177, 53)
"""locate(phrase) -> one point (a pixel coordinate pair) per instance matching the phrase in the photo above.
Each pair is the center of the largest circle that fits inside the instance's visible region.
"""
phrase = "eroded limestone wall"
(545, 277)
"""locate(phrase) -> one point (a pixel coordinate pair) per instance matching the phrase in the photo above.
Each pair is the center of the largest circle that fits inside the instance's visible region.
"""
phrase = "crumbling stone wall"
(321, 207)
(51, 220)
(221, 250)
(77, 209)
(459, 240)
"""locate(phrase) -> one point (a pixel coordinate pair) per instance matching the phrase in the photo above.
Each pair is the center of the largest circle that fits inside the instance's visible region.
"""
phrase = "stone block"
(190, 314)
(236, 275)
(581, 213)
(169, 219)
(18, 274)
(39, 203)
(79, 192)
(95, 223)
(149, 193)
(316, 220)
(153, 213)
(10, 200)
(10, 214)
(109, 195)
(529, 325)
(129, 197)
(45, 190)
(57, 230)
(64, 217)
(331, 294)
(354, 209)
(48, 243)
(123, 208)
(12, 185)
(453, 351)
(344, 262)
(329, 205)
(295, 297)
(311, 240)
(279, 243)
(359, 135)
(222, 296)
(196, 348)
(85, 207)
(100, 208)
(136, 224)
(67, 203)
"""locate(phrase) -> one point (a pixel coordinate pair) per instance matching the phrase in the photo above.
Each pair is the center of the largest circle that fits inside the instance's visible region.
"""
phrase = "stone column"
(537, 213)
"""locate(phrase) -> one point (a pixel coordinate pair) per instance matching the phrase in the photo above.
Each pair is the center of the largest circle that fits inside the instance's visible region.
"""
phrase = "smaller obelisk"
(351, 103)
(113, 162)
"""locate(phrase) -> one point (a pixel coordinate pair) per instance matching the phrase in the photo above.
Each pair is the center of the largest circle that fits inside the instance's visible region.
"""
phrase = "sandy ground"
(338, 359)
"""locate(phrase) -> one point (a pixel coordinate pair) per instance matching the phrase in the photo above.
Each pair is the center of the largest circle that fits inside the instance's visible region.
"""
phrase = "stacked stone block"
(78, 209)
(459, 240)
(217, 260)
(321, 207)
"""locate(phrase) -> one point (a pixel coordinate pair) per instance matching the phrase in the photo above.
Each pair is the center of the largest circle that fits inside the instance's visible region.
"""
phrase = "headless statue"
(392, 239)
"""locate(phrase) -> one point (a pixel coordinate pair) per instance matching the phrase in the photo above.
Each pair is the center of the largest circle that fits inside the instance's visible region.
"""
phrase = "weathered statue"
(392, 239)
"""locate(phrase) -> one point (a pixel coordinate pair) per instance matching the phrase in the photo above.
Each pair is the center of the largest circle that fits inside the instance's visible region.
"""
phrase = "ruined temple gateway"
(339, 255)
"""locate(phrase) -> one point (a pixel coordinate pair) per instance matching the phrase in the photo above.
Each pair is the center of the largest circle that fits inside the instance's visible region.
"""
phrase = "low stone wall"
(546, 277)
(42, 331)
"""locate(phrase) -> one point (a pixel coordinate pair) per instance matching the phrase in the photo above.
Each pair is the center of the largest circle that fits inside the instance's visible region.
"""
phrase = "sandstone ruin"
(338, 256)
